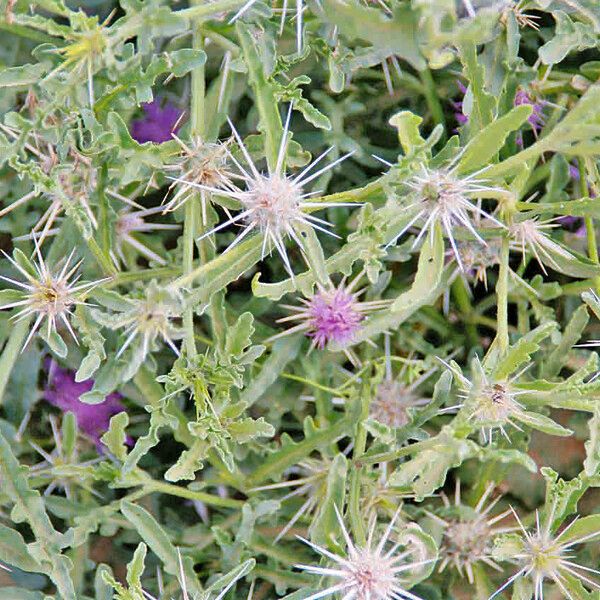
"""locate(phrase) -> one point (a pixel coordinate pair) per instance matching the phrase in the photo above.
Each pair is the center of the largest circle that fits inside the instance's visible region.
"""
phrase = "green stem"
(30, 34)
(197, 110)
(142, 275)
(105, 263)
(203, 10)
(502, 296)
(590, 230)
(288, 456)
(431, 97)
(181, 492)
(400, 453)
(461, 296)
(360, 443)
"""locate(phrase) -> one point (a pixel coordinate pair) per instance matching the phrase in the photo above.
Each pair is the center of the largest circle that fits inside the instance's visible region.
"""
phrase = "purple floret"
(457, 105)
(333, 317)
(157, 124)
(536, 119)
(63, 392)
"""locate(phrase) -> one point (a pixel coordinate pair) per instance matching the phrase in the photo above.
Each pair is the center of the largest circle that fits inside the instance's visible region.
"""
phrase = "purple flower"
(157, 123)
(333, 316)
(64, 392)
(536, 119)
(459, 115)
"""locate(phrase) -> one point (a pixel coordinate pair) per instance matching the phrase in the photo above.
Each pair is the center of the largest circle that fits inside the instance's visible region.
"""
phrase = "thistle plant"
(299, 299)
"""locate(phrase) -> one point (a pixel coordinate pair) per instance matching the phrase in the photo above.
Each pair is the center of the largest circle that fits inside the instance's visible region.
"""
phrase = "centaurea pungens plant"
(299, 299)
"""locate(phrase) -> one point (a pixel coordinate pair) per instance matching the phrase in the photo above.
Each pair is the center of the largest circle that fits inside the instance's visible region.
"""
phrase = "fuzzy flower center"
(153, 320)
(442, 190)
(545, 555)
(495, 403)
(372, 576)
(389, 406)
(466, 541)
(333, 317)
(51, 297)
(128, 222)
(274, 202)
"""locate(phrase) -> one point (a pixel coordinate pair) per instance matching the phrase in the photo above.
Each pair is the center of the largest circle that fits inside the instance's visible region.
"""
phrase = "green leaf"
(569, 35)
(264, 91)
(429, 283)
(92, 339)
(541, 423)
(570, 337)
(115, 438)
(486, 144)
(102, 590)
(395, 35)
(325, 525)
(221, 271)
(426, 472)
(158, 541)
(188, 463)
(135, 568)
(283, 352)
(239, 337)
(185, 60)
(521, 352)
(592, 300)
(483, 104)
(24, 75)
(591, 464)
(14, 551)
(407, 124)
(561, 496)
(29, 507)
(225, 582)
(584, 207)
(248, 429)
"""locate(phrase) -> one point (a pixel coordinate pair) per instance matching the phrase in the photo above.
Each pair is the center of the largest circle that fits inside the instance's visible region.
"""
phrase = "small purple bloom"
(537, 118)
(459, 115)
(333, 316)
(63, 392)
(157, 124)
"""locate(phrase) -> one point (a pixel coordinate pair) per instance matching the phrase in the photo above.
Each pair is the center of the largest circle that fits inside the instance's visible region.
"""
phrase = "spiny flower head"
(130, 222)
(332, 315)
(66, 185)
(85, 48)
(545, 556)
(198, 163)
(444, 198)
(395, 397)
(144, 319)
(532, 235)
(392, 401)
(45, 293)
(371, 571)
(310, 484)
(273, 203)
(468, 532)
(477, 259)
(492, 403)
